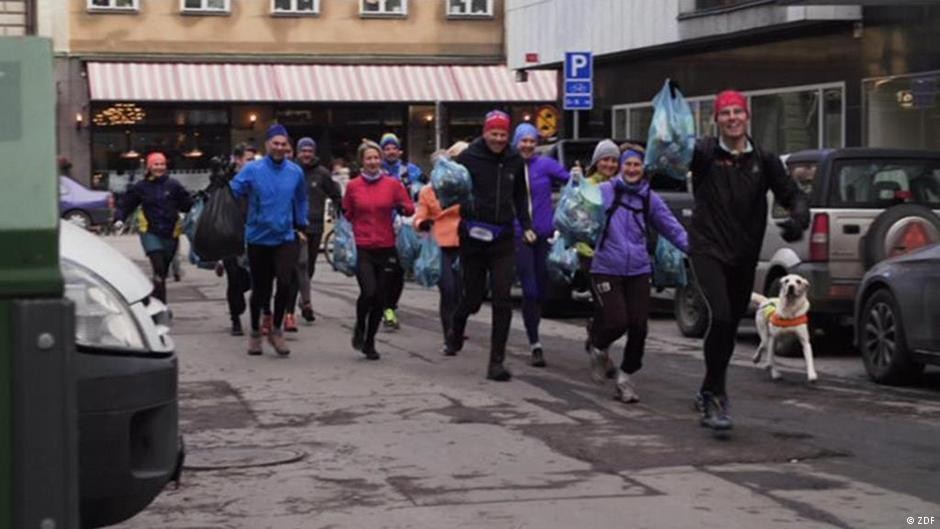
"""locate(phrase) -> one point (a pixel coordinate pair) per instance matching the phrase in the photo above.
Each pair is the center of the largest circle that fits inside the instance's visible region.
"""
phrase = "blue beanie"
(387, 138)
(524, 130)
(306, 142)
(276, 130)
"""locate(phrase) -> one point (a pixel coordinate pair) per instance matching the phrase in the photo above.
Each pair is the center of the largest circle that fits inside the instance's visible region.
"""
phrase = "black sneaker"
(452, 346)
(447, 350)
(357, 340)
(372, 354)
(498, 372)
(715, 415)
(237, 327)
(538, 357)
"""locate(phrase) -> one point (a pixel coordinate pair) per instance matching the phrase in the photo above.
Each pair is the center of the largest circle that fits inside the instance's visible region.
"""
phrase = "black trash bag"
(220, 230)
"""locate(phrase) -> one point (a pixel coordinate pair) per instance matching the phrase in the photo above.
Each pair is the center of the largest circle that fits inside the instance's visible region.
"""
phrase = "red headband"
(154, 157)
(730, 98)
(496, 120)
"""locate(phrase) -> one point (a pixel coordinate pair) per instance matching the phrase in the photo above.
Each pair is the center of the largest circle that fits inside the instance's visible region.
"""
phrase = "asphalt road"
(327, 439)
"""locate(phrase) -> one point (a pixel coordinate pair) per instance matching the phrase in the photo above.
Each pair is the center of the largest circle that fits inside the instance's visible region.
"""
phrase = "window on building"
(902, 111)
(295, 7)
(469, 8)
(113, 5)
(383, 8)
(205, 6)
(783, 120)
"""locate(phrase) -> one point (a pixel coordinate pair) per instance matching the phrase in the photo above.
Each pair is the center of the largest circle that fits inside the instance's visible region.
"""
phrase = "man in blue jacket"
(409, 174)
(277, 218)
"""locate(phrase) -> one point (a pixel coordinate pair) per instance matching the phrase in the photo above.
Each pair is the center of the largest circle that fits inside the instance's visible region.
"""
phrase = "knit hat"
(524, 130)
(496, 120)
(605, 149)
(387, 138)
(276, 130)
(364, 146)
(306, 142)
(155, 157)
(730, 98)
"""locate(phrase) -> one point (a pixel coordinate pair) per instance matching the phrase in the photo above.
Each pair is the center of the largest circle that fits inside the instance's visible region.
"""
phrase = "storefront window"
(902, 112)
(833, 117)
(786, 122)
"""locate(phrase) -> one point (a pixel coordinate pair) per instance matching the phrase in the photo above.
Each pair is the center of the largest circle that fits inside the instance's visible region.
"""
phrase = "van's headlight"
(102, 317)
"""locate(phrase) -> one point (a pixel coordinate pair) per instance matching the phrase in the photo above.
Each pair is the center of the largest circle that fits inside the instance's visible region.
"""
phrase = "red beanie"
(496, 119)
(731, 98)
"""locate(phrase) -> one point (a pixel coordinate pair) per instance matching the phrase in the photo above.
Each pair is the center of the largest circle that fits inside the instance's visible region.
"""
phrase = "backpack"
(651, 235)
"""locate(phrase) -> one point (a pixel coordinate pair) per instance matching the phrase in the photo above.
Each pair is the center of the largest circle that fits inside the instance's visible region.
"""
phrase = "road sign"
(579, 83)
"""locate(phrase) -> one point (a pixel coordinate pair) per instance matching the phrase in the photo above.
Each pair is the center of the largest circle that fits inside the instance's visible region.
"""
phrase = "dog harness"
(770, 312)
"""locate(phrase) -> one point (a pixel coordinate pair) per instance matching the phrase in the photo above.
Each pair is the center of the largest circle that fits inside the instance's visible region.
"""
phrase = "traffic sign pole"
(576, 132)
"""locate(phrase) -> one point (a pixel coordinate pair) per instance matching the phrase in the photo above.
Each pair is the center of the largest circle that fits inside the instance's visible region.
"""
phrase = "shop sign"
(546, 121)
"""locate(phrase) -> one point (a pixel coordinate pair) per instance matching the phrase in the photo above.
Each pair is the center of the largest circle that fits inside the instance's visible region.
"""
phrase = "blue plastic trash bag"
(671, 140)
(344, 248)
(563, 261)
(451, 182)
(579, 215)
(414, 188)
(408, 246)
(428, 263)
(668, 265)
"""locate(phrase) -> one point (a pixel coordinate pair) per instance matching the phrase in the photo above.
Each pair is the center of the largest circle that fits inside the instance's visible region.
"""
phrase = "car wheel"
(690, 311)
(882, 343)
(328, 246)
(79, 218)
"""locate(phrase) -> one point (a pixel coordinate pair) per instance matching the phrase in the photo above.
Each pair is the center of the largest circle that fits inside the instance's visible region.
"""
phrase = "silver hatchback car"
(867, 205)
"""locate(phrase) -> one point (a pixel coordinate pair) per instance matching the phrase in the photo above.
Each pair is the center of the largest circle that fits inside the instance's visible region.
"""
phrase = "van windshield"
(881, 184)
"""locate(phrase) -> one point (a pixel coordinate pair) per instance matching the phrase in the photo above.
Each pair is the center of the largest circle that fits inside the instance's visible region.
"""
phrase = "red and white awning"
(204, 82)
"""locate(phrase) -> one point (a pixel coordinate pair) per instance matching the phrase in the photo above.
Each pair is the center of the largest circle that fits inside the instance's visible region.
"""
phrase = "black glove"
(426, 225)
(791, 230)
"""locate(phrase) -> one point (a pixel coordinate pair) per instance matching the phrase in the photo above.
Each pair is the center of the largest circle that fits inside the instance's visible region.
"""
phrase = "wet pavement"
(326, 439)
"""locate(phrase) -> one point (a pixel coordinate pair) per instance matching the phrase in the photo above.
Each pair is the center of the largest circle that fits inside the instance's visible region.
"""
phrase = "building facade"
(17, 18)
(845, 74)
(193, 78)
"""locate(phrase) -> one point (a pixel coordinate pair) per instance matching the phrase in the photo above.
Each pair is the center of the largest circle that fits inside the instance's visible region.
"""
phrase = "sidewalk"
(418, 440)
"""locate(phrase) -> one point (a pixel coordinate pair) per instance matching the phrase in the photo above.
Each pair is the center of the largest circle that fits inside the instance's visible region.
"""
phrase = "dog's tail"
(757, 300)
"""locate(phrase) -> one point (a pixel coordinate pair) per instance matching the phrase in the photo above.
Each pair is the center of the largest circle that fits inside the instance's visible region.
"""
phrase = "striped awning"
(215, 82)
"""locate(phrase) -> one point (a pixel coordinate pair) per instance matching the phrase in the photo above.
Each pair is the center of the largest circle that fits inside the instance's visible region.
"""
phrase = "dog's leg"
(771, 357)
(759, 351)
(808, 354)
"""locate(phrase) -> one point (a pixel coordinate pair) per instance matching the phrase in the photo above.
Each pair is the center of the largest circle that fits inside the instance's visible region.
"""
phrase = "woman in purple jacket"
(531, 259)
(621, 269)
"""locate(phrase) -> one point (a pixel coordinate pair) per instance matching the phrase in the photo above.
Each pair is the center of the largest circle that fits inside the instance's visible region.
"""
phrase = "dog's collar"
(777, 321)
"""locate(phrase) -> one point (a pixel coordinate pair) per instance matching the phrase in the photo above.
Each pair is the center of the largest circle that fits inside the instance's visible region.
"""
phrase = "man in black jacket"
(486, 236)
(730, 180)
(320, 186)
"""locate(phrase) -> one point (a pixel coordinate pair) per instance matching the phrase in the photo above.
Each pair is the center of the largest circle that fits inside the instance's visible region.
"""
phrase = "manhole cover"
(221, 458)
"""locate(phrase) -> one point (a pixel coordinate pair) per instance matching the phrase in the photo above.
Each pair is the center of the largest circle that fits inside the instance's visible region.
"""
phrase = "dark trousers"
(497, 261)
(396, 287)
(375, 271)
(450, 287)
(300, 286)
(238, 281)
(270, 263)
(160, 263)
(621, 305)
(727, 292)
(532, 267)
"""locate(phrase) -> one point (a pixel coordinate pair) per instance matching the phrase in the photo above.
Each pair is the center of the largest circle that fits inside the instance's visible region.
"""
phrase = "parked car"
(897, 316)
(866, 205)
(126, 365)
(82, 206)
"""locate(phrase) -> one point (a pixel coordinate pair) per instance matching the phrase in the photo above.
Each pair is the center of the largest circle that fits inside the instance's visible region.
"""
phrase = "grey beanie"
(605, 149)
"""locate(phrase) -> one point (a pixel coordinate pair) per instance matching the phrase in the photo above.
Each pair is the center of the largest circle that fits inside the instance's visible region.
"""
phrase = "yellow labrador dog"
(787, 314)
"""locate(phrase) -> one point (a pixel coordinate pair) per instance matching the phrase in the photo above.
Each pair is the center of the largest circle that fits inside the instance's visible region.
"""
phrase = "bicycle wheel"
(328, 246)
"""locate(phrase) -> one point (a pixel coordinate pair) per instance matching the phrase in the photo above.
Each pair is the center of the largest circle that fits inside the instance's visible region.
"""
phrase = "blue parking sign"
(579, 65)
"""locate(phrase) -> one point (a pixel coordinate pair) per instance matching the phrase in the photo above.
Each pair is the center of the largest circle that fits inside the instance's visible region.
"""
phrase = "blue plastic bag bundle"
(671, 140)
(414, 188)
(408, 245)
(344, 248)
(668, 265)
(428, 264)
(579, 215)
(563, 261)
(451, 182)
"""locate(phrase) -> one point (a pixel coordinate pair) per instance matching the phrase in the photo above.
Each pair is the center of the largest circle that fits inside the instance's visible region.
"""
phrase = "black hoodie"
(499, 188)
